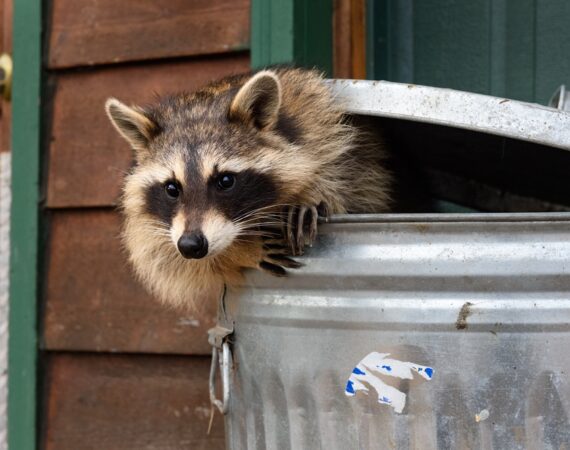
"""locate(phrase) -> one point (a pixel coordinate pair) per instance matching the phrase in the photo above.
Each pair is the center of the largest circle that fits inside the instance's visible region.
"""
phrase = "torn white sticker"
(374, 364)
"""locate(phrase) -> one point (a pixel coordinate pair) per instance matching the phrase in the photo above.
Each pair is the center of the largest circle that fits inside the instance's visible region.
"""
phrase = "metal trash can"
(427, 331)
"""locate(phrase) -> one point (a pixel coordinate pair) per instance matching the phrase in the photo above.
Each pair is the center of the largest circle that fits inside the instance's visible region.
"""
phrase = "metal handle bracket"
(224, 363)
(218, 338)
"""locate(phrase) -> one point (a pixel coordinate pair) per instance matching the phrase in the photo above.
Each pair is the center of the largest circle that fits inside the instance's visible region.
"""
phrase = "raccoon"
(233, 176)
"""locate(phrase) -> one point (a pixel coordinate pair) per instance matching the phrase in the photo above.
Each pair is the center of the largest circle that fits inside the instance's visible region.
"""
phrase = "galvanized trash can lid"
(493, 115)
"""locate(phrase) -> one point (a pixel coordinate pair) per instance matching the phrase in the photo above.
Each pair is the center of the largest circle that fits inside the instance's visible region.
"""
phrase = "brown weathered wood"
(117, 402)
(349, 39)
(342, 39)
(89, 32)
(93, 303)
(6, 14)
(358, 39)
(87, 158)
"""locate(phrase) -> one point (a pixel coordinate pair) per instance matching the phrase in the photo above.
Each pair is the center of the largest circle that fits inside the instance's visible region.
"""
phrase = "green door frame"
(292, 31)
(24, 225)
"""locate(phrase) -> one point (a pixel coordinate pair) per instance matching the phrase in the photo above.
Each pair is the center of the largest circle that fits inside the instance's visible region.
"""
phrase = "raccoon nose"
(193, 245)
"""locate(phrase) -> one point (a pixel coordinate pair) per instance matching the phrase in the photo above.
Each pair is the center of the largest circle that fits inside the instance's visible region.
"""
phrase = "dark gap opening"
(445, 169)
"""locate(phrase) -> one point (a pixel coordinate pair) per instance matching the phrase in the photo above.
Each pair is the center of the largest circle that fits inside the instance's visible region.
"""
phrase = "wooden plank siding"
(90, 32)
(349, 39)
(93, 303)
(121, 370)
(121, 402)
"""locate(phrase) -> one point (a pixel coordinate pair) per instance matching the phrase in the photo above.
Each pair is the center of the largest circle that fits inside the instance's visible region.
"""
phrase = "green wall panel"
(552, 42)
(511, 48)
(24, 226)
(292, 31)
(271, 32)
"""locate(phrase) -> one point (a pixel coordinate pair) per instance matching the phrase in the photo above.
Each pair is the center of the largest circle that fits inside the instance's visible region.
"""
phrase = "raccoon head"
(204, 174)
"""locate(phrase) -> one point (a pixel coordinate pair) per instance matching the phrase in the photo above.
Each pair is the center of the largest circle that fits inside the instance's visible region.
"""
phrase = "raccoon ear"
(258, 101)
(132, 124)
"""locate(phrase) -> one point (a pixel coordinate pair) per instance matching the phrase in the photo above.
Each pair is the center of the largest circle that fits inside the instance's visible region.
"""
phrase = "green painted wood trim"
(271, 32)
(292, 31)
(24, 224)
(313, 38)
(377, 13)
(505, 48)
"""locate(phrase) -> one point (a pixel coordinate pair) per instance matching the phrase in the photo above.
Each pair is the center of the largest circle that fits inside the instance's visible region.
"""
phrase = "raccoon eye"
(226, 181)
(172, 189)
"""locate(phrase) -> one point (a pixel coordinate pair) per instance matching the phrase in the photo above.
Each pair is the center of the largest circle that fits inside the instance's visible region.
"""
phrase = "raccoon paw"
(275, 264)
(301, 226)
(275, 258)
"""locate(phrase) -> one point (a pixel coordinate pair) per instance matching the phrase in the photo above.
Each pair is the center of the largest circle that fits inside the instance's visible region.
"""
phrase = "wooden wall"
(120, 371)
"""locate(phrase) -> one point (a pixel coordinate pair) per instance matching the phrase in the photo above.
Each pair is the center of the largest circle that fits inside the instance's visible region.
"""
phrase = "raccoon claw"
(272, 269)
(299, 220)
(283, 261)
(276, 264)
(289, 232)
(275, 259)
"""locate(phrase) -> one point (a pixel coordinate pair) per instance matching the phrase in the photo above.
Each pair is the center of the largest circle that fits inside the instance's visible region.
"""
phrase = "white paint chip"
(483, 415)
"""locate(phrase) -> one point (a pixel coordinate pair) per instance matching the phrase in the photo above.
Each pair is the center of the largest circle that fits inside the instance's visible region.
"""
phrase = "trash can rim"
(467, 110)
(448, 217)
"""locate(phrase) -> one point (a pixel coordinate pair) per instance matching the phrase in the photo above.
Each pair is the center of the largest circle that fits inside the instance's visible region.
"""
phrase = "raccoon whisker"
(154, 223)
(153, 228)
(258, 234)
(242, 230)
(277, 209)
(256, 216)
(264, 208)
(261, 220)
(241, 241)
(156, 231)
(149, 226)
(268, 230)
(166, 231)
(160, 235)
(259, 217)
(259, 214)
(257, 224)
(262, 223)
(252, 232)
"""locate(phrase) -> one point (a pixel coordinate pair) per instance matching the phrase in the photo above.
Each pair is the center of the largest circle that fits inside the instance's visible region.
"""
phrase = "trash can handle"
(224, 363)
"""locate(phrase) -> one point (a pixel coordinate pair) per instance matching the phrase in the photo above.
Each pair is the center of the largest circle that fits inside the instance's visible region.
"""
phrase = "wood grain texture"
(117, 402)
(93, 303)
(342, 42)
(87, 158)
(349, 39)
(6, 9)
(358, 39)
(89, 32)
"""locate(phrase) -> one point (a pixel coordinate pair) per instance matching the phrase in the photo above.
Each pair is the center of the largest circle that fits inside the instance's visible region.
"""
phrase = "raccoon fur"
(233, 176)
